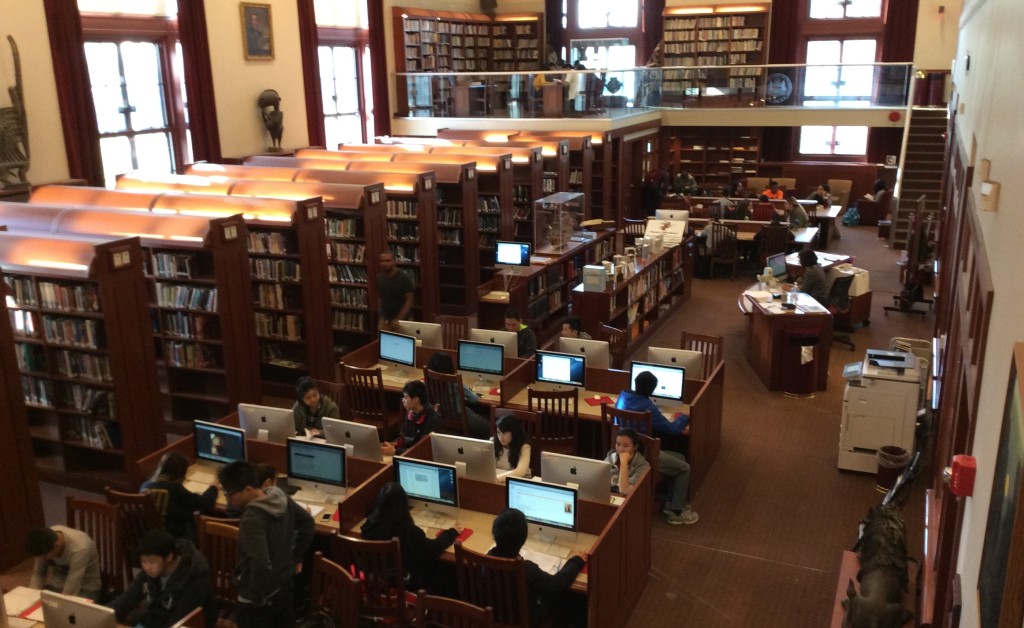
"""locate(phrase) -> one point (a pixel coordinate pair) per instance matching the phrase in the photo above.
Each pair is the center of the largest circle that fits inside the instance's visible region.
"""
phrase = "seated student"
(478, 426)
(572, 327)
(739, 211)
(628, 465)
(181, 502)
(390, 518)
(822, 196)
(526, 340)
(174, 580)
(66, 561)
(772, 192)
(684, 183)
(511, 449)
(542, 589)
(812, 282)
(776, 221)
(420, 419)
(311, 407)
(639, 400)
(797, 214)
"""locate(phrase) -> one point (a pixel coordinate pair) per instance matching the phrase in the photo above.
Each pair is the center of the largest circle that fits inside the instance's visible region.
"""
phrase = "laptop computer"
(65, 611)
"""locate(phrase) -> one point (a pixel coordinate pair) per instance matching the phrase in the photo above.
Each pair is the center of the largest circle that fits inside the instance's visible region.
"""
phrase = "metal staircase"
(922, 170)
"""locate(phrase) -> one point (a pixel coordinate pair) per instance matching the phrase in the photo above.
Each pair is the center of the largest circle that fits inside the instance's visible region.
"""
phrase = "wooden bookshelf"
(717, 157)
(78, 308)
(583, 167)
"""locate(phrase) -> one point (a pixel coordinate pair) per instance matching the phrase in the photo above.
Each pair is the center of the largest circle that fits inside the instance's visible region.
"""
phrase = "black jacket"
(187, 587)
(542, 588)
(181, 503)
(417, 426)
(274, 534)
(418, 552)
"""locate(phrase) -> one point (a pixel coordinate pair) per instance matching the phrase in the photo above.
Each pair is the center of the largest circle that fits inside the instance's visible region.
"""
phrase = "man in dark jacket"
(175, 579)
(274, 534)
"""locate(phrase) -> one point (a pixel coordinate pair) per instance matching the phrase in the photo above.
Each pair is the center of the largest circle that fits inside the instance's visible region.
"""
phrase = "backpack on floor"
(852, 217)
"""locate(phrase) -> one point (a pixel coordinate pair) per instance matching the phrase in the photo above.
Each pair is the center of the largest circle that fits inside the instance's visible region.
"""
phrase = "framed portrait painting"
(257, 33)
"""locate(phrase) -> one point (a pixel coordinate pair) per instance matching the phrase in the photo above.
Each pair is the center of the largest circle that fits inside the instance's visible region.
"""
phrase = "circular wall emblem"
(779, 88)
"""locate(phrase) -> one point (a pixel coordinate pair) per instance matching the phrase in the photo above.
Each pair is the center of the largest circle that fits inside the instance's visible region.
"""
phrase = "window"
(339, 79)
(839, 9)
(834, 140)
(838, 86)
(608, 13)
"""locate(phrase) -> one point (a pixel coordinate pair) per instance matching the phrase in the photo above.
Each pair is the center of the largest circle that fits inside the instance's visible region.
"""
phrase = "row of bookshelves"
(277, 296)
(275, 269)
(342, 252)
(186, 297)
(187, 325)
(349, 274)
(351, 297)
(192, 355)
(272, 242)
(279, 326)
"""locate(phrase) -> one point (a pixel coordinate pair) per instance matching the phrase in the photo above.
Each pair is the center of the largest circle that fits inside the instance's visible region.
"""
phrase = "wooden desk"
(766, 330)
(824, 220)
(553, 99)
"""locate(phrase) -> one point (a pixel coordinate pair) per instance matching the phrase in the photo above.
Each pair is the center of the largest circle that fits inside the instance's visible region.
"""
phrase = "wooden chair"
(613, 418)
(498, 583)
(160, 496)
(873, 211)
(139, 515)
(218, 541)
(331, 389)
(617, 340)
(334, 591)
(650, 447)
(195, 619)
(453, 329)
(721, 243)
(364, 398)
(774, 239)
(445, 392)
(761, 211)
(632, 229)
(839, 307)
(840, 191)
(102, 522)
(557, 421)
(378, 565)
(434, 610)
(713, 348)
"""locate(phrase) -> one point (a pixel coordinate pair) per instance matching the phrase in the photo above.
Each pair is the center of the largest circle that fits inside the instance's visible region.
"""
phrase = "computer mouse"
(597, 396)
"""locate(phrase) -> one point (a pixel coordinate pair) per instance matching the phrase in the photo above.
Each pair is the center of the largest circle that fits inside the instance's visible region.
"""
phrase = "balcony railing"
(616, 93)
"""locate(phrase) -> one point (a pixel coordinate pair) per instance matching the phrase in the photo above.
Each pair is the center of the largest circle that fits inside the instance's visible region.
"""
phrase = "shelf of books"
(78, 307)
(717, 157)
(581, 170)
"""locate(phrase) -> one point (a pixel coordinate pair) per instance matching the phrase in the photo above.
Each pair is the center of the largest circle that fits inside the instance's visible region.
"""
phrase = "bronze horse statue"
(882, 575)
(14, 131)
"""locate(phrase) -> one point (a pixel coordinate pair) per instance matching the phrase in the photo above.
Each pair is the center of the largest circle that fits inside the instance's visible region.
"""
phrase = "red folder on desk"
(596, 402)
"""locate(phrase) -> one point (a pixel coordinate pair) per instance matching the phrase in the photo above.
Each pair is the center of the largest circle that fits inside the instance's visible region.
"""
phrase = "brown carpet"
(775, 512)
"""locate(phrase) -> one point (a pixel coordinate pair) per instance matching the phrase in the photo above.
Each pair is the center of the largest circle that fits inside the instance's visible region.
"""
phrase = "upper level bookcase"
(78, 308)
(717, 157)
(721, 35)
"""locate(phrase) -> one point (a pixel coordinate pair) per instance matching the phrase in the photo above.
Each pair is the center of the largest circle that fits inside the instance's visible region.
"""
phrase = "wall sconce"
(989, 189)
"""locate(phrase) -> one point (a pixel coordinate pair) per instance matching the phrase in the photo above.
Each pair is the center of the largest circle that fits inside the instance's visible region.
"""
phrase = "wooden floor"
(775, 513)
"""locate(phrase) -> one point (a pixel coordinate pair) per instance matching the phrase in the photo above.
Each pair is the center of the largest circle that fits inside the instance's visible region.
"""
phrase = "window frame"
(349, 37)
(572, 29)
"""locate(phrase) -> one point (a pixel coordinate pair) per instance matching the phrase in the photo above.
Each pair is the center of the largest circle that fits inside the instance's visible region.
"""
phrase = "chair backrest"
(159, 496)
(713, 348)
(445, 392)
(786, 183)
(217, 539)
(633, 229)
(453, 329)
(617, 342)
(774, 239)
(839, 294)
(613, 418)
(102, 522)
(499, 583)
(335, 591)
(378, 566)
(364, 397)
(756, 184)
(722, 241)
(761, 211)
(434, 610)
(139, 515)
(840, 191)
(557, 419)
(331, 389)
(195, 619)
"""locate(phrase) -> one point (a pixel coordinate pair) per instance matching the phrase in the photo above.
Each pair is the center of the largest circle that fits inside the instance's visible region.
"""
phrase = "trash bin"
(799, 377)
(891, 462)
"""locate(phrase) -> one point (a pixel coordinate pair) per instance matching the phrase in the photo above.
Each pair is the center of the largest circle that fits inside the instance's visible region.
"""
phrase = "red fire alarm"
(894, 116)
(961, 481)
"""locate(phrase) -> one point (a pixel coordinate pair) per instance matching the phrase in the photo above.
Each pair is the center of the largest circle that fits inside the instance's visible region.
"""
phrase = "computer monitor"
(318, 469)
(597, 351)
(218, 443)
(399, 350)
(363, 438)
(671, 214)
(671, 379)
(266, 423)
(692, 361)
(561, 369)
(550, 509)
(475, 455)
(426, 334)
(777, 263)
(507, 339)
(484, 360)
(429, 485)
(65, 611)
(591, 477)
(511, 254)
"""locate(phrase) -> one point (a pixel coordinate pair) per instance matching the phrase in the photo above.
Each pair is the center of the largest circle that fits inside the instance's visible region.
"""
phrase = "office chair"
(839, 307)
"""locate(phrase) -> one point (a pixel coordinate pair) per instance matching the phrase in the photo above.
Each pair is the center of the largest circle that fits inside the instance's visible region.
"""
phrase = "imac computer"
(317, 469)
(432, 489)
(558, 371)
(671, 379)
(362, 437)
(266, 423)
(692, 361)
(592, 478)
(426, 334)
(473, 458)
(550, 510)
(399, 352)
(508, 339)
(777, 263)
(510, 257)
(66, 611)
(216, 445)
(481, 363)
(597, 351)
(671, 214)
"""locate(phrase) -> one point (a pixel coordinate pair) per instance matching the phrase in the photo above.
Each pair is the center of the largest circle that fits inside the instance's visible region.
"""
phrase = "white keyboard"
(202, 477)
(196, 487)
(551, 549)
(432, 519)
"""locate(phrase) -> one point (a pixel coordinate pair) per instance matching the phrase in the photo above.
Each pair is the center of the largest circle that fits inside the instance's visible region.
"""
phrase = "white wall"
(26, 21)
(990, 34)
(238, 83)
(935, 43)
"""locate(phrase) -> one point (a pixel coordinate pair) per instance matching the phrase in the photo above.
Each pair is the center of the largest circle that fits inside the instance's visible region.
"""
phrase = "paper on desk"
(313, 509)
(20, 599)
(18, 622)
(813, 308)
(759, 295)
(547, 563)
(196, 487)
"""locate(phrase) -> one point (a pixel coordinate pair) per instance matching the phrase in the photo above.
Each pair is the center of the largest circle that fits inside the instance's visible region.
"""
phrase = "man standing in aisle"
(394, 293)
(66, 561)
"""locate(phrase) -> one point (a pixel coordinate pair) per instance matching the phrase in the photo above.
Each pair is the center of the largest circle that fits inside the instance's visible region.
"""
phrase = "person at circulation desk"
(525, 338)
(420, 419)
(812, 282)
(394, 292)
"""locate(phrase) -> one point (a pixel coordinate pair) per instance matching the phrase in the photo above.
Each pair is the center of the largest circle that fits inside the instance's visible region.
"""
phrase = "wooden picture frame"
(257, 31)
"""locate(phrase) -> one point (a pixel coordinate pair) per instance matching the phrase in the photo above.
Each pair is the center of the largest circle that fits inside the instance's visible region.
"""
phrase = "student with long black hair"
(511, 449)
